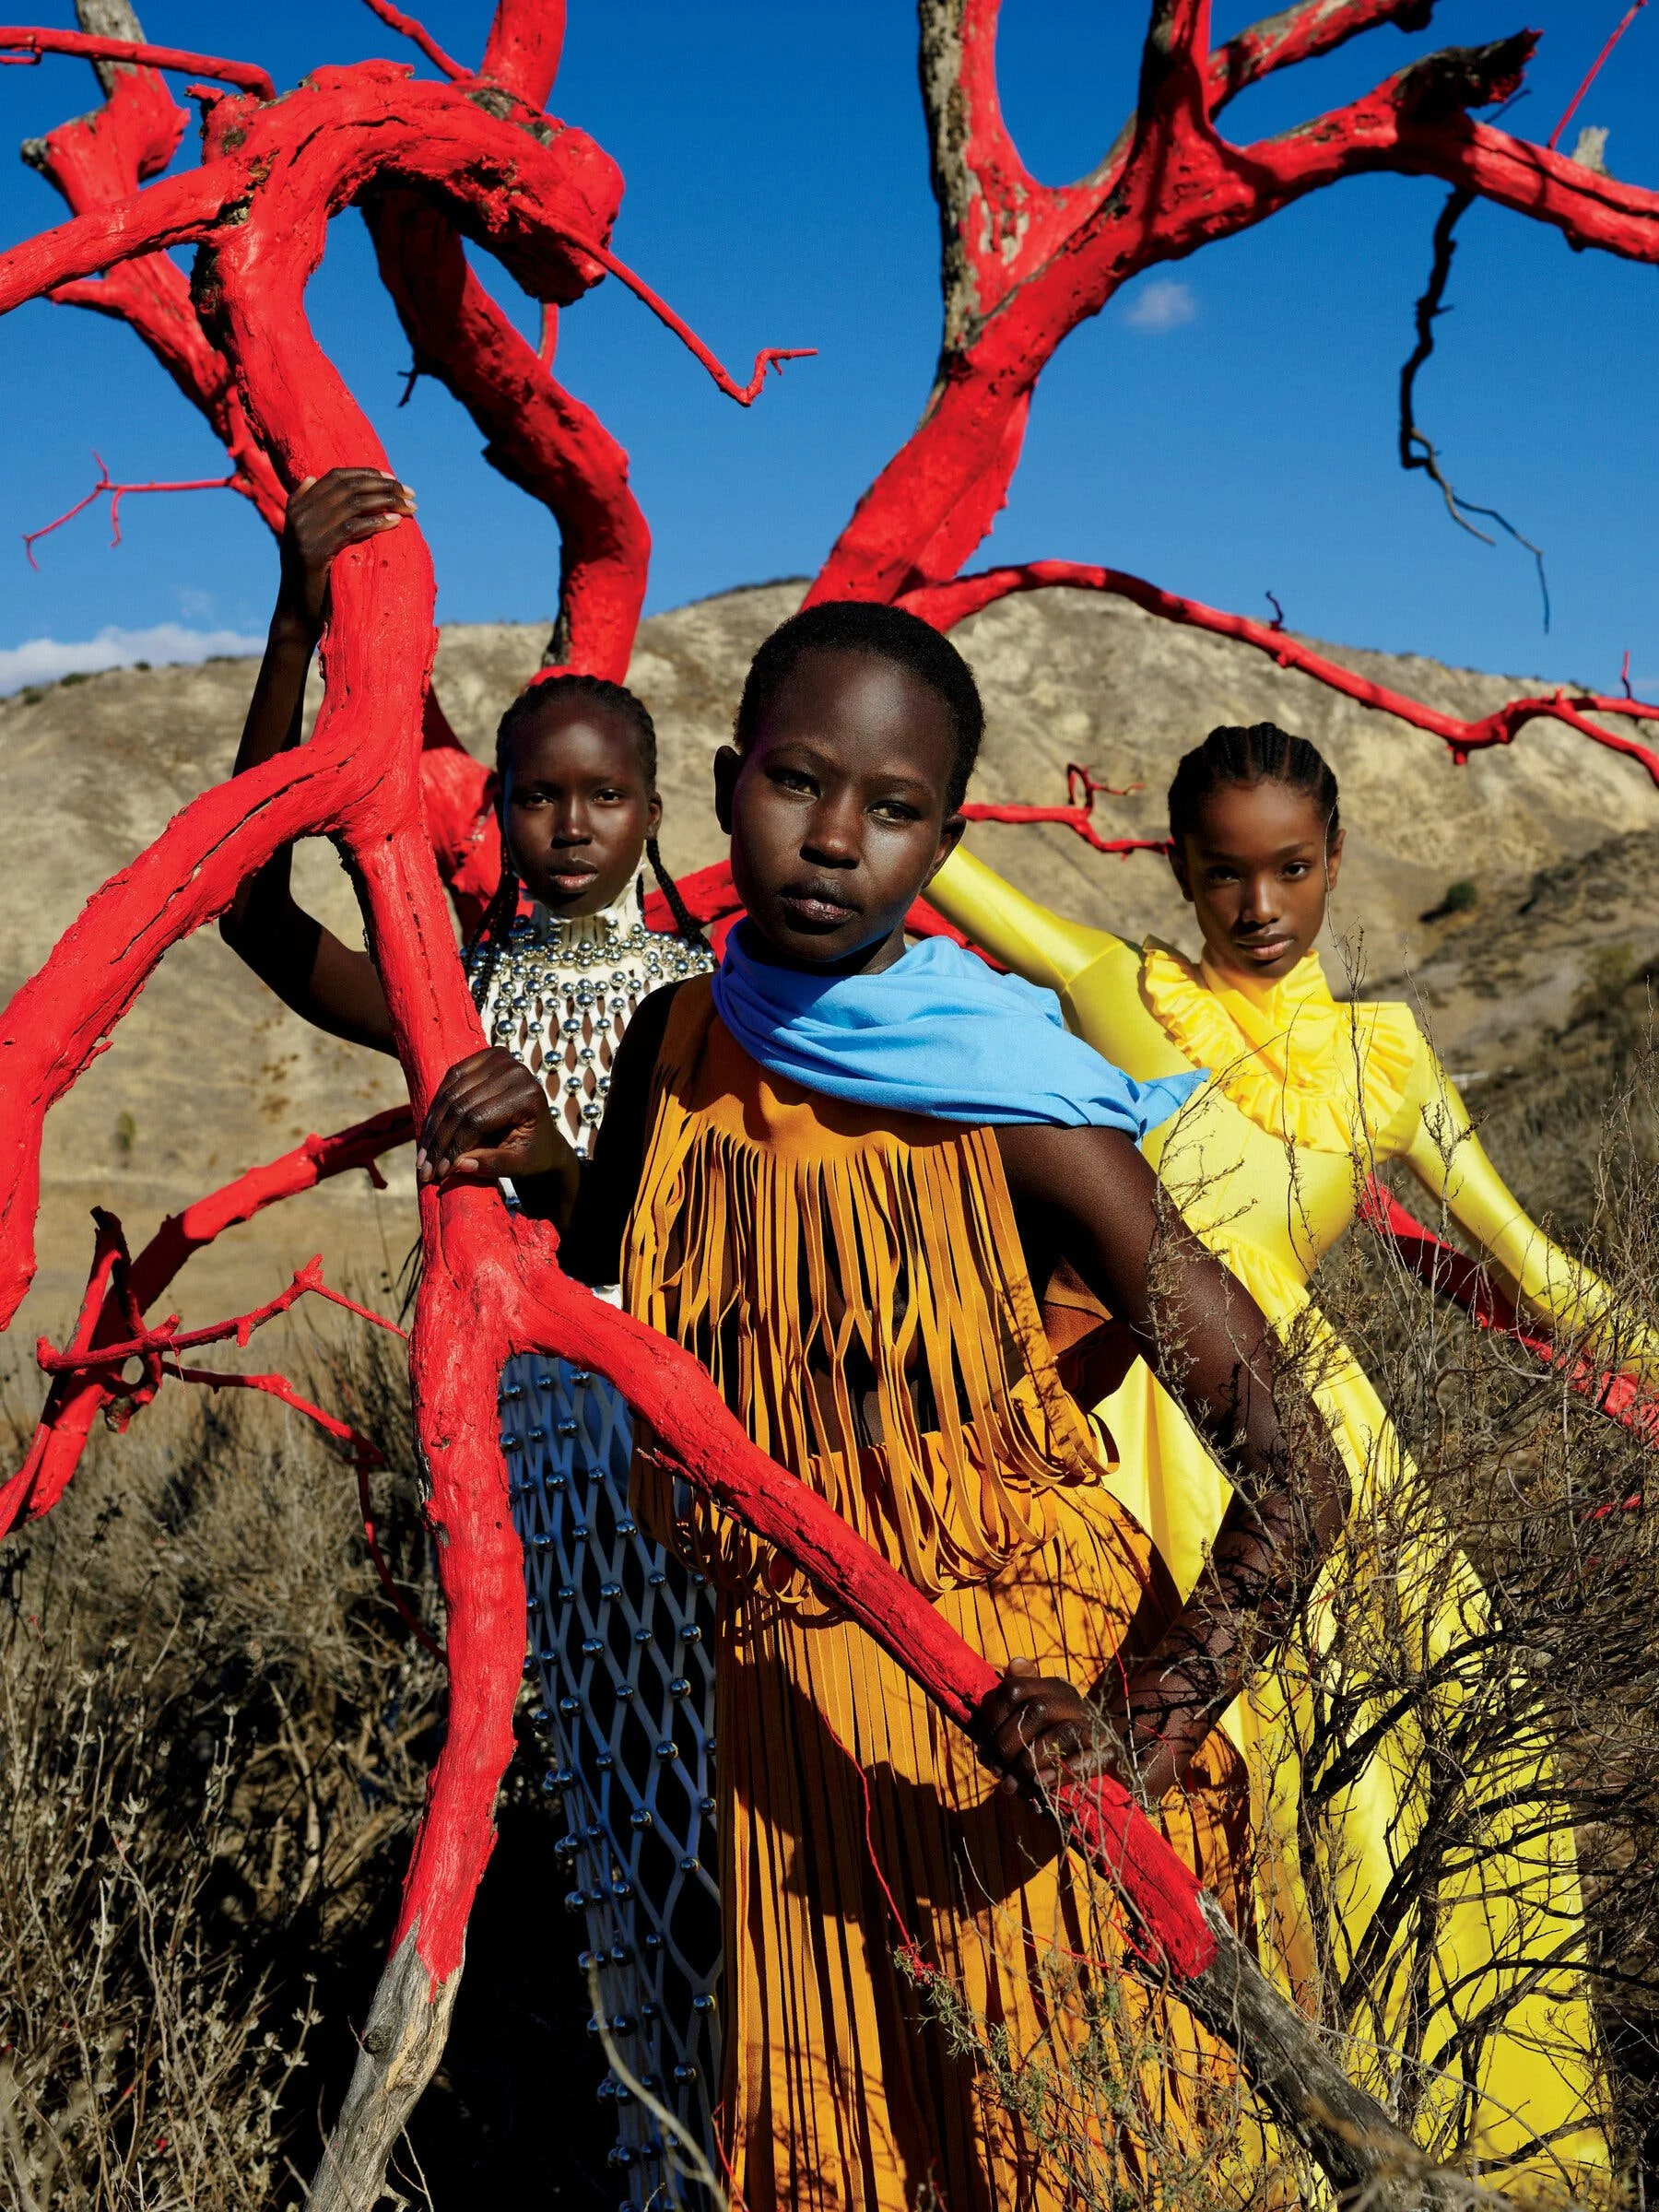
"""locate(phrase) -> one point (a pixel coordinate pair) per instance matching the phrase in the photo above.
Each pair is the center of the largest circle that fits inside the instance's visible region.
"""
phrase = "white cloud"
(43, 660)
(1164, 304)
(194, 605)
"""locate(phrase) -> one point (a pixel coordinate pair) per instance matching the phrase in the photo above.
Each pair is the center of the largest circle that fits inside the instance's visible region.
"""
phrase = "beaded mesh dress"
(620, 1631)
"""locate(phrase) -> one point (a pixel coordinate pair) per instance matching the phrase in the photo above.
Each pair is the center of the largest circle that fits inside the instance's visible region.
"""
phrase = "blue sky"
(1226, 426)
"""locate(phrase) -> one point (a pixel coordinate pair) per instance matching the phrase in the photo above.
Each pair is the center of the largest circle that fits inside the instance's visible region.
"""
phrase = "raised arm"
(305, 964)
(1448, 1159)
(1088, 1195)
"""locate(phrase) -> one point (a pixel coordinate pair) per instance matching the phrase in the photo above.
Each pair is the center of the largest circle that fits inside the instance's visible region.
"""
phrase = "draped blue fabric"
(937, 1033)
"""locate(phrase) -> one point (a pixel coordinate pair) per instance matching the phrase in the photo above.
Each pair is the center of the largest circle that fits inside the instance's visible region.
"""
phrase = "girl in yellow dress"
(1472, 1963)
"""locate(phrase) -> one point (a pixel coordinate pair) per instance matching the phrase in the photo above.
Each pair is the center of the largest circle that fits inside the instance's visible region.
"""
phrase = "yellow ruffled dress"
(1474, 1965)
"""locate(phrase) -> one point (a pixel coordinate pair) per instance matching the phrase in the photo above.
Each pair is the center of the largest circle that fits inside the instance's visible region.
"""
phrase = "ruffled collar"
(1289, 1058)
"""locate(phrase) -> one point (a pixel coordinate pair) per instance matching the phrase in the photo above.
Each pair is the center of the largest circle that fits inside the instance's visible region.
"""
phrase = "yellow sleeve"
(1094, 974)
(1448, 1159)
(1030, 939)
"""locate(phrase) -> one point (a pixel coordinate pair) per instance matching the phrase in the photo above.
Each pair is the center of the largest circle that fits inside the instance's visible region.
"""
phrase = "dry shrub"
(1492, 1614)
(1553, 1504)
(217, 1733)
(216, 1737)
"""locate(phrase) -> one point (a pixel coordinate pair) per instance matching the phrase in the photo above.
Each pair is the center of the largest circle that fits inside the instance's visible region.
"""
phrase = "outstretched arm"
(1034, 942)
(1094, 974)
(1448, 1159)
(305, 964)
(1086, 1195)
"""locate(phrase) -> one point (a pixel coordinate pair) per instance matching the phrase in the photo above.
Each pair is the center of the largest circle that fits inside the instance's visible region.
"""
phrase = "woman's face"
(836, 809)
(577, 806)
(1257, 871)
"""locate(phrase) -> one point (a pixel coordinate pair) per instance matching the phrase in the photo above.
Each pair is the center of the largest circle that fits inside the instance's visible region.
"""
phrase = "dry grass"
(217, 1733)
(215, 1736)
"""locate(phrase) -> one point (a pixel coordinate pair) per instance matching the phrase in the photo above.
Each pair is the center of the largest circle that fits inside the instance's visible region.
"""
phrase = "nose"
(572, 823)
(833, 837)
(1260, 904)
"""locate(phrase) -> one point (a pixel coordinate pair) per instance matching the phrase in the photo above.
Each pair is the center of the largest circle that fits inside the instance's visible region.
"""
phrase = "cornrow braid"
(687, 926)
(482, 950)
(1261, 754)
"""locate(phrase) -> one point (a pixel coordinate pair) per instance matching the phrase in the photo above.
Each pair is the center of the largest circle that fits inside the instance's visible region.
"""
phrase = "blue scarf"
(937, 1033)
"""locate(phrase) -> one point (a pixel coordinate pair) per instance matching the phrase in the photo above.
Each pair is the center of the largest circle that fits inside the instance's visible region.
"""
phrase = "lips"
(1265, 950)
(818, 906)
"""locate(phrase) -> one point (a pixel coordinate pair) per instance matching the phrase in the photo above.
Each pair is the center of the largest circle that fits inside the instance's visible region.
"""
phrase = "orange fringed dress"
(857, 1290)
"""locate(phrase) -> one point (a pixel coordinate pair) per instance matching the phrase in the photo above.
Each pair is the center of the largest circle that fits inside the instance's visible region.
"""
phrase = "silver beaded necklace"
(563, 991)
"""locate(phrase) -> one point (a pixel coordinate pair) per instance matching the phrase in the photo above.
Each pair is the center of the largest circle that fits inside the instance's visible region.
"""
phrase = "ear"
(1178, 868)
(1333, 859)
(728, 765)
(654, 814)
(950, 837)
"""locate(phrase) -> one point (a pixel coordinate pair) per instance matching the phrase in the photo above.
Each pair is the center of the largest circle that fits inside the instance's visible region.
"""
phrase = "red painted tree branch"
(1451, 1273)
(1082, 789)
(156, 1343)
(117, 493)
(99, 159)
(945, 605)
(539, 436)
(522, 54)
(75, 1400)
(35, 42)
(1023, 262)
(409, 28)
(1595, 69)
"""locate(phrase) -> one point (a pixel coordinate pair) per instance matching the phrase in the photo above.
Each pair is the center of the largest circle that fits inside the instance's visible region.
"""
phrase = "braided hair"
(887, 633)
(1261, 754)
(496, 926)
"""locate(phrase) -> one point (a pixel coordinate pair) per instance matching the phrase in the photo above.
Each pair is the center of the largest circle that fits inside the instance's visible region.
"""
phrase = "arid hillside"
(209, 1074)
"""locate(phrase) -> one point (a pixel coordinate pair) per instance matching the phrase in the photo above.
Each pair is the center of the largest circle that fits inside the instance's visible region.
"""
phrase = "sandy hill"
(209, 1074)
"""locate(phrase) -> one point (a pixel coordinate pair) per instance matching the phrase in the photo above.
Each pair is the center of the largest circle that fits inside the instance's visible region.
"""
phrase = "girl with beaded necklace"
(618, 1628)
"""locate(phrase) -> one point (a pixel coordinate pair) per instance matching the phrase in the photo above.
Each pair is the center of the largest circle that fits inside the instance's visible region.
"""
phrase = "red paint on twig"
(1450, 1273)
(409, 28)
(308, 1280)
(117, 1296)
(1596, 68)
(1078, 813)
(29, 44)
(945, 605)
(363, 1452)
(117, 493)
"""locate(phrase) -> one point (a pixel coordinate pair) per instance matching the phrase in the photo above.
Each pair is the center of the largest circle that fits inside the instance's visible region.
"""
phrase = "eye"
(896, 810)
(1220, 875)
(791, 779)
(610, 795)
(1295, 870)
